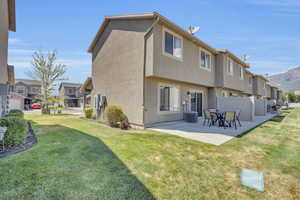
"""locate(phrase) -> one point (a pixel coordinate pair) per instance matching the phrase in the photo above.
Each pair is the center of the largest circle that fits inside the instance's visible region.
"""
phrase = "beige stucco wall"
(258, 84)
(230, 81)
(274, 93)
(268, 91)
(248, 87)
(118, 63)
(233, 81)
(152, 114)
(3, 40)
(246, 106)
(186, 70)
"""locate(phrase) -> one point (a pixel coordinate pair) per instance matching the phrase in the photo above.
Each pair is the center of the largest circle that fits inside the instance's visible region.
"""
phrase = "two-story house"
(249, 76)
(86, 90)
(159, 70)
(268, 91)
(157, 67)
(274, 92)
(29, 89)
(70, 95)
(259, 86)
(7, 23)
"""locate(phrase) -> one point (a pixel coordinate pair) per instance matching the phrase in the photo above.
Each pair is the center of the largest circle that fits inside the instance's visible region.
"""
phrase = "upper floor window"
(71, 91)
(264, 85)
(241, 73)
(172, 45)
(230, 66)
(205, 59)
(20, 89)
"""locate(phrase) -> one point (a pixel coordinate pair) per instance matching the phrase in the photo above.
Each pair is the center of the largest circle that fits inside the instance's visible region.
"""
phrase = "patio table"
(220, 118)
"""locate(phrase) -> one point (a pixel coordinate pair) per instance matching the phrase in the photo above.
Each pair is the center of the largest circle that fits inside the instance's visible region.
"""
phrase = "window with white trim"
(20, 89)
(230, 66)
(168, 98)
(241, 72)
(173, 45)
(205, 59)
(264, 85)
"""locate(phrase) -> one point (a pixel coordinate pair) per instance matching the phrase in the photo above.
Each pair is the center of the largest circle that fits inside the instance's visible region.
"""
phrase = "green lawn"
(78, 159)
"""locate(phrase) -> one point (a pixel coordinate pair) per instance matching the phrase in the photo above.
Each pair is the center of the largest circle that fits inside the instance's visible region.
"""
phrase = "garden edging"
(29, 142)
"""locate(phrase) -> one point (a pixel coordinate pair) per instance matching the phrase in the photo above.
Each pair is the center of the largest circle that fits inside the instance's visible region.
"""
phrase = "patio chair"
(238, 113)
(230, 119)
(212, 110)
(207, 118)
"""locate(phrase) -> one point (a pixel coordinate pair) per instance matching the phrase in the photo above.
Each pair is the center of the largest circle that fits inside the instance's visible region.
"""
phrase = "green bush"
(114, 115)
(16, 130)
(88, 112)
(15, 113)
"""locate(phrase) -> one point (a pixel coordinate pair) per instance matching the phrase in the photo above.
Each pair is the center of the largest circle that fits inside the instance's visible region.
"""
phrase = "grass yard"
(78, 159)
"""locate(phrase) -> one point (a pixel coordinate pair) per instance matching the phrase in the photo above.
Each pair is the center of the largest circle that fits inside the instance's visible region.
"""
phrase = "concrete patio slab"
(212, 135)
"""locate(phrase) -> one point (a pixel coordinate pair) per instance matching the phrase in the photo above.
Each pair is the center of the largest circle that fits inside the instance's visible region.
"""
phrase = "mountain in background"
(287, 81)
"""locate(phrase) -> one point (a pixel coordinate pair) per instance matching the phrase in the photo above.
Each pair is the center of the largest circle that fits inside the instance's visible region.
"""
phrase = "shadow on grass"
(280, 117)
(80, 166)
(276, 119)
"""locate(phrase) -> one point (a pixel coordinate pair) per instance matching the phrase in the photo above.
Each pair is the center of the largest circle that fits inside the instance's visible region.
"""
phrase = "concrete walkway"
(213, 135)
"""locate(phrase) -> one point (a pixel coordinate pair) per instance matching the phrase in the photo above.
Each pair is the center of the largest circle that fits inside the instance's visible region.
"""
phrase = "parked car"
(36, 106)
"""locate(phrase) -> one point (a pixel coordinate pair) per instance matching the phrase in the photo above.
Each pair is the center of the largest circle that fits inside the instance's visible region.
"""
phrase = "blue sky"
(267, 30)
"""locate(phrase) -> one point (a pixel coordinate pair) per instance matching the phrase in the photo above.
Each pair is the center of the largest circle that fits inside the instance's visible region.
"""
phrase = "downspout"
(144, 67)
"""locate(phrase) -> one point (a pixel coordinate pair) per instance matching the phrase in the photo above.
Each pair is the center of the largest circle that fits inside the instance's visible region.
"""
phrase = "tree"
(48, 73)
(298, 98)
(292, 97)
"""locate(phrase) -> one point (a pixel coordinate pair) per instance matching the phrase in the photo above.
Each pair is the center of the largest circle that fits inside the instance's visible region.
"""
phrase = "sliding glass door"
(196, 102)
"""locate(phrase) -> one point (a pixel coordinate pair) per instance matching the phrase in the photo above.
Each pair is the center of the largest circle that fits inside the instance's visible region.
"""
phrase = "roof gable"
(152, 15)
(11, 15)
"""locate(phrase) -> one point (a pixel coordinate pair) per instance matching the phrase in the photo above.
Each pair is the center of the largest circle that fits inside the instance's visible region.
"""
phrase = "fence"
(244, 104)
(261, 107)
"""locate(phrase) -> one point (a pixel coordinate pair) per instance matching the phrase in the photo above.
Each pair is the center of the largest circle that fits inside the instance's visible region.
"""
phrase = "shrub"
(125, 123)
(114, 115)
(46, 111)
(16, 130)
(15, 113)
(88, 113)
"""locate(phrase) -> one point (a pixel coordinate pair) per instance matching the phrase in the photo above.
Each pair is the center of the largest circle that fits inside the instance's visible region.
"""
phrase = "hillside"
(287, 81)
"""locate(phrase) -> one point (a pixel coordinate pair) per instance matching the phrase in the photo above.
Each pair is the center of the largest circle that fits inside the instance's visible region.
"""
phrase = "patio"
(212, 135)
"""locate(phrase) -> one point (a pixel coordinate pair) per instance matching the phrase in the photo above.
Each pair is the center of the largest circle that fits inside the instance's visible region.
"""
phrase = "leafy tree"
(292, 97)
(298, 98)
(48, 73)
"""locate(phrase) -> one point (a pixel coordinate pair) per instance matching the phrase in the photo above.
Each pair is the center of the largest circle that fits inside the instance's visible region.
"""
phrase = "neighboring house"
(7, 23)
(249, 76)
(230, 77)
(268, 91)
(70, 95)
(29, 90)
(274, 92)
(259, 86)
(86, 90)
(159, 70)
(297, 93)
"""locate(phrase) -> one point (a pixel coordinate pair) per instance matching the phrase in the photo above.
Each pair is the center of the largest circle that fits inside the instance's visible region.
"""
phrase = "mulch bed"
(29, 142)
